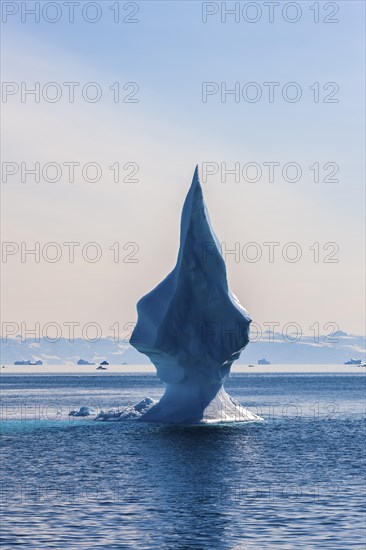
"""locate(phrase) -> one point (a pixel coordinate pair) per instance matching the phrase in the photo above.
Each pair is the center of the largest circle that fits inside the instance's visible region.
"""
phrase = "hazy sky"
(167, 55)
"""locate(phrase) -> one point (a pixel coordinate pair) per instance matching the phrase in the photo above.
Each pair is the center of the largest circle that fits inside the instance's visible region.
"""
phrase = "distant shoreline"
(150, 369)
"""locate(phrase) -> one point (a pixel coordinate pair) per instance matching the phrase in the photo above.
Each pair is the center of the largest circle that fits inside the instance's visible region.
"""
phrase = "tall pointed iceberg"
(192, 327)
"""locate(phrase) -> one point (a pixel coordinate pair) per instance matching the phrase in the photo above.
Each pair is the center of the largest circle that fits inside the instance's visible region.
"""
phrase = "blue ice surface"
(191, 325)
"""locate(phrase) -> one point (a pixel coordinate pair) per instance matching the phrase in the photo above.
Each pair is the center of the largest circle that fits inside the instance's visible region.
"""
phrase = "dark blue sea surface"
(295, 480)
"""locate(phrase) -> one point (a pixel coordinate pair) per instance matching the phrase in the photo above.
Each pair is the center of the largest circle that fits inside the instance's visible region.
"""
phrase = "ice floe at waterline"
(84, 411)
(223, 408)
(193, 328)
(128, 412)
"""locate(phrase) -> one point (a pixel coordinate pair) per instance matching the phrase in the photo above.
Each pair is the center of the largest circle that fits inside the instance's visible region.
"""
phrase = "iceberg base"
(189, 403)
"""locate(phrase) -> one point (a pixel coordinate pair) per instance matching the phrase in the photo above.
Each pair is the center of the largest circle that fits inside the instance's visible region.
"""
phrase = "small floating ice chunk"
(83, 411)
(126, 413)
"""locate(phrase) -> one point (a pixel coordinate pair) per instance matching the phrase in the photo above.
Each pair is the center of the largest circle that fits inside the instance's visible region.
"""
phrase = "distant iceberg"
(192, 327)
(353, 362)
(39, 362)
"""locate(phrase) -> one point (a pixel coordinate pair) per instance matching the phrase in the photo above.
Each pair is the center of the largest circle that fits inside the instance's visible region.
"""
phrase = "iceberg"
(193, 328)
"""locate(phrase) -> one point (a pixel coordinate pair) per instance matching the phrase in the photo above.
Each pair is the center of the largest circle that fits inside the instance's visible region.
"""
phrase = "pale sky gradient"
(169, 53)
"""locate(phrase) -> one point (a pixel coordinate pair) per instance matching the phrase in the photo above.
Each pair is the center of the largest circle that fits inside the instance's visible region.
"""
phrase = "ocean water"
(295, 480)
